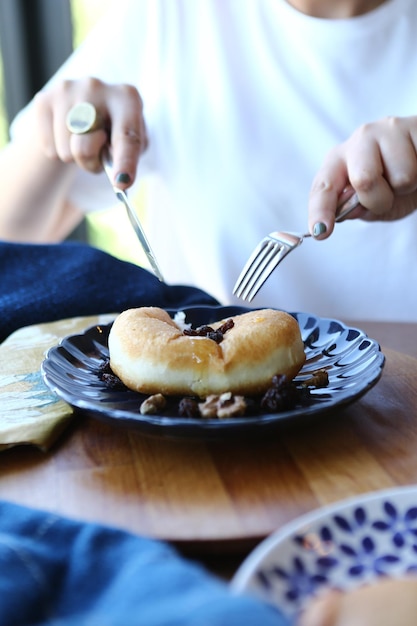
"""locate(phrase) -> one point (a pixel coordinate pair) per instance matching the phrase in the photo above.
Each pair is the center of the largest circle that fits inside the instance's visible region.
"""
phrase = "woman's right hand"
(120, 110)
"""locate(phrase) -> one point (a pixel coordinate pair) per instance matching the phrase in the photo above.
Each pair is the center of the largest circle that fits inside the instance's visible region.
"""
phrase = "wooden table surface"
(217, 500)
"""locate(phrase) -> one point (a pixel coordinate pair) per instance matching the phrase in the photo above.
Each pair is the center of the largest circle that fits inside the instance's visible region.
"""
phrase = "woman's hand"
(121, 113)
(387, 602)
(379, 161)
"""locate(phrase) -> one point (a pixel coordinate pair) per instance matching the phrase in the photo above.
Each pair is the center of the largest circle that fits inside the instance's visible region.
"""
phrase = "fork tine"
(264, 270)
(247, 271)
(260, 265)
(267, 271)
(270, 252)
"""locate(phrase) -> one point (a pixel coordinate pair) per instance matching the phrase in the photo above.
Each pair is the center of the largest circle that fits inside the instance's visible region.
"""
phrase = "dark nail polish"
(123, 178)
(319, 229)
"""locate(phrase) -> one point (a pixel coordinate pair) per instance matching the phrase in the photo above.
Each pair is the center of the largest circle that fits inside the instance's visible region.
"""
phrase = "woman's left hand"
(379, 161)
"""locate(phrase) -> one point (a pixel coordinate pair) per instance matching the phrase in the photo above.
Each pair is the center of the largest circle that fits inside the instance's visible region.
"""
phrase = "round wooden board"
(224, 496)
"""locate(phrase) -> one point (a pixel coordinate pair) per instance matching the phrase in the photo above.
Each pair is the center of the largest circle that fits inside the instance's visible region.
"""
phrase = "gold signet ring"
(83, 118)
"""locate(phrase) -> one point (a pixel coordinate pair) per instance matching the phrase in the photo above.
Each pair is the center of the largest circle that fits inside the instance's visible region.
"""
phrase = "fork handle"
(343, 210)
(346, 207)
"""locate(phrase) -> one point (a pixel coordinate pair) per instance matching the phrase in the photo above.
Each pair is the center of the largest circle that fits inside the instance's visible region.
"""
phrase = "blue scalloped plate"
(354, 363)
(342, 546)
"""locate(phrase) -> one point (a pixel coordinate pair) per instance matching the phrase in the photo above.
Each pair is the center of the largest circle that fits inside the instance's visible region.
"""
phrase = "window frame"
(36, 37)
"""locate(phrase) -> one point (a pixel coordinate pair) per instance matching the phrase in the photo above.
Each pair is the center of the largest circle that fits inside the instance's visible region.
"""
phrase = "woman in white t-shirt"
(242, 101)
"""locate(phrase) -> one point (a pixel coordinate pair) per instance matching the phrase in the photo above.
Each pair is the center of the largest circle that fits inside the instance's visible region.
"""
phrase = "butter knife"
(134, 220)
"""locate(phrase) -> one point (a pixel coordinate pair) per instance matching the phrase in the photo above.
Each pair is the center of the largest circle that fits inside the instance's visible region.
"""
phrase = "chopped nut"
(319, 378)
(153, 404)
(208, 408)
(225, 405)
(234, 408)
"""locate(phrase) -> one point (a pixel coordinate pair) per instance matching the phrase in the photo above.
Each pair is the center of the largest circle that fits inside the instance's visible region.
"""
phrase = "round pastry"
(151, 353)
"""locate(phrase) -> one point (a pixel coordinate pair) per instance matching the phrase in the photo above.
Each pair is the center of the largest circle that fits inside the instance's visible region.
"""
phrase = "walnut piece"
(225, 405)
(153, 404)
(318, 379)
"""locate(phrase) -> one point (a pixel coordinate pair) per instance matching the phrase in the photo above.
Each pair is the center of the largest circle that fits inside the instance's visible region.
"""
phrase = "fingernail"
(123, 178)
(319, 229)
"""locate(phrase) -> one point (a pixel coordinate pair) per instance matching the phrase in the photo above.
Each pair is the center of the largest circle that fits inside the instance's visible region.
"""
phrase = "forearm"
(33, 201)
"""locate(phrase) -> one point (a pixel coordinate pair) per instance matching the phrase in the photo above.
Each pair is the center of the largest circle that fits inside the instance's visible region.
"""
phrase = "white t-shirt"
(242, 100)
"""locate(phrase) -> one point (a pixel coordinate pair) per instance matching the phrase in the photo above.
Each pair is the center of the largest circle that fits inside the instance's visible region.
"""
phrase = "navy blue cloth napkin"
(58, 572)
(44, 283)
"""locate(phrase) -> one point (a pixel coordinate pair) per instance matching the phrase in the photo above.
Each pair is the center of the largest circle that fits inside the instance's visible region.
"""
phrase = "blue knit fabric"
(44, 283)
(59, 572)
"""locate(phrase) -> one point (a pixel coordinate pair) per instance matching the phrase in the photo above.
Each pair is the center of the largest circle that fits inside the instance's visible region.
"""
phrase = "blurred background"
(36, 36)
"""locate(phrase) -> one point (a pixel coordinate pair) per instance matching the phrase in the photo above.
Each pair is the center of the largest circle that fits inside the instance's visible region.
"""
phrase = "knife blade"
(134, 220)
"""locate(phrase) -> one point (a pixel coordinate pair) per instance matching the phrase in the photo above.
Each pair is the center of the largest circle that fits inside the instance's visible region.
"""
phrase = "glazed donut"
(151, 354)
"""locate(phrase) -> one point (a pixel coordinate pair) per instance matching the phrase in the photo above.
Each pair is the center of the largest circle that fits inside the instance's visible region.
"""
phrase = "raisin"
(203, 331)
(215, 335)
(108, 377)
(209, 332)
(188, 407)
(226, 326)
(281, 396)
(112, 381)
(105, 366)
(190, 332)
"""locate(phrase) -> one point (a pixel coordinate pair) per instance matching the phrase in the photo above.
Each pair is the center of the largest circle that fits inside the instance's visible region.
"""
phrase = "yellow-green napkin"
(29, 412)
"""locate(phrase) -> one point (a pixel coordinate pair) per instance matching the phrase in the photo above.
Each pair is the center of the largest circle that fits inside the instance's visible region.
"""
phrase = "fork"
(272, 250)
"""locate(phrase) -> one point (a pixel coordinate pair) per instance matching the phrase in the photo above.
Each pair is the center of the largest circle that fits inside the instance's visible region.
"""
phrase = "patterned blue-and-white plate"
(342, 546)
